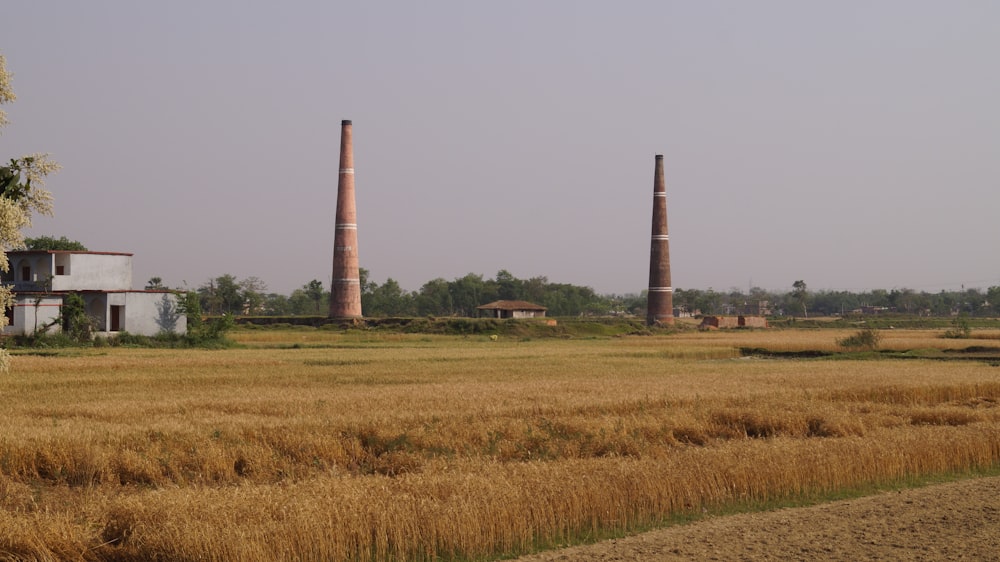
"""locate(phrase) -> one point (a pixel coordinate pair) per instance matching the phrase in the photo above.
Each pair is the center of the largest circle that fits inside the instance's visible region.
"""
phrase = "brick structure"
(724, 322)
(753, 322)
(660, 297)
(345, 297)
(720, 322)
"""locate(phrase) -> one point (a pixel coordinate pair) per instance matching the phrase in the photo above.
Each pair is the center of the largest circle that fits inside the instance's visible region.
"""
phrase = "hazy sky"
(854, 145)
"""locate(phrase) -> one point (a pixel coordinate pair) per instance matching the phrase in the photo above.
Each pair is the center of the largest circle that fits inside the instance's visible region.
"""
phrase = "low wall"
(724, 322)
(753, 321)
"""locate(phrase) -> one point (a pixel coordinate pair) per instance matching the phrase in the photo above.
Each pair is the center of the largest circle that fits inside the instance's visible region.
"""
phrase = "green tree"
(993, 298)
(534, 289)
(222, 295)
(708, 302)
(189, 304)
(759, 301)
(316, 293)
(363, 278)
(276, 305)
(508, 287)
(961, 329)
(389, 299)
(300, 304)
(312, 299)
(434, 299)
(22, 193)
(200, 331)
(75, 322)
(469, 292)
(564, 299)
(735, 302)
(633, 303)
(684, 299)
(945, 303)
(154, 283)
(973, 302)
(252, 290)
(831, 303)
(800, 295)
(52, 243)
(907, 301)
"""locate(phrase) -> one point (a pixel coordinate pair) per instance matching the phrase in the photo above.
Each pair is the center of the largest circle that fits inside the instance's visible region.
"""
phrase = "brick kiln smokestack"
(345, 297)
(660, 298)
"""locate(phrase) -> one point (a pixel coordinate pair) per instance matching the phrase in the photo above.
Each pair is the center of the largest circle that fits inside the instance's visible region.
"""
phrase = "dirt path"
(954, 521)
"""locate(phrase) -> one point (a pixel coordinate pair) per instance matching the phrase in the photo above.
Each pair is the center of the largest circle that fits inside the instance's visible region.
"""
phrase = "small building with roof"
(511, 309)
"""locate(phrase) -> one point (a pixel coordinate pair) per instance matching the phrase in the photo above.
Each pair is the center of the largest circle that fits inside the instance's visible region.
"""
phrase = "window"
(63, 263)
(26, 273)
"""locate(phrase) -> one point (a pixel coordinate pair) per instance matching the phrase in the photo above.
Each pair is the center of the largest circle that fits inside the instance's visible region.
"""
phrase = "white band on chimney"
(661, 289)
(348, 226)
(347, 170)
(659, 194)
(358, 281)
(661, 237)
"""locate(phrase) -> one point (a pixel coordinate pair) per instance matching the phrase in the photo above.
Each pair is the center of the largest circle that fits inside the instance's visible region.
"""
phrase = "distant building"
(511, 309)
(872, 310)
(682, 311)
(42, 279)
(757, 308)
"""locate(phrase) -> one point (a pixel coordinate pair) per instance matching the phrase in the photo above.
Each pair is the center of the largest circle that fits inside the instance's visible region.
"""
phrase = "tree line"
(438, 297)
(461, 296)
(799, 301)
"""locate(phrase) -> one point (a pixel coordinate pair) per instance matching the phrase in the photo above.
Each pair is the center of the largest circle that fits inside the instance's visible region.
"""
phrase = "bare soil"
(952, 521)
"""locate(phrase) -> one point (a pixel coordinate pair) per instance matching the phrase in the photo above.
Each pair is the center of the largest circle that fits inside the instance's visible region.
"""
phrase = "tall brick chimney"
(660, 298)
(345, 297)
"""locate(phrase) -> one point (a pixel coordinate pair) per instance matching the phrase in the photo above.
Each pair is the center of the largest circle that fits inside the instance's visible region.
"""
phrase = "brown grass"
(362, 446)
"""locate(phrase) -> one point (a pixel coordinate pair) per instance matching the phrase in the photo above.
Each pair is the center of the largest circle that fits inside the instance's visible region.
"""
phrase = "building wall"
(510, 313)
(528, 313)
(80, 271)
(720, 322)
(38, 267)
(140, 312)
(723, 322)
(96, 305)
(95, 272)
(753, 321)
(31, 313)
(148, 313)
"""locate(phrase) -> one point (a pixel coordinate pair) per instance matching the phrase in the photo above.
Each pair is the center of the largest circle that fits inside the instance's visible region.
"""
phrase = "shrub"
(867, 338)
(960, 329)
(75, 322)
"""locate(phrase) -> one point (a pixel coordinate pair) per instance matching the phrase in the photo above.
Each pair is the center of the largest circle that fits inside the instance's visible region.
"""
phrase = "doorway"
(117, 315)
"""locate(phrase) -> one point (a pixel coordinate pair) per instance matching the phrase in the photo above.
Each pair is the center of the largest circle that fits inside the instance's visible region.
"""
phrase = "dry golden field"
(322, 445)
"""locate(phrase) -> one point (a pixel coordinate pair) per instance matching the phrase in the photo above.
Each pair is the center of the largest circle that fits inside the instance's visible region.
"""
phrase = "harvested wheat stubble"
(953, 521)
(451, 449)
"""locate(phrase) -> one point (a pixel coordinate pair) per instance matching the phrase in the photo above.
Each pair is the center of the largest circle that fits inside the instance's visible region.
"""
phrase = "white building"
(41, 280)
